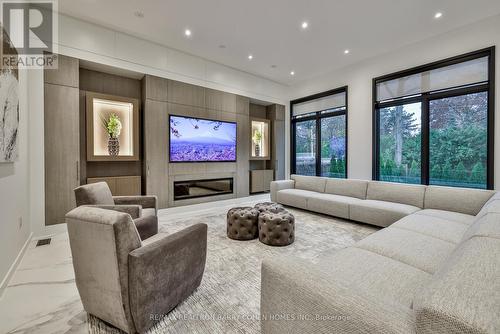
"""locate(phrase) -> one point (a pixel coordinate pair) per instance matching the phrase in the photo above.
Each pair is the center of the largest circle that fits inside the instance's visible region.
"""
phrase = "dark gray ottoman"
(242, 223)
(276, 229)
(269, 206)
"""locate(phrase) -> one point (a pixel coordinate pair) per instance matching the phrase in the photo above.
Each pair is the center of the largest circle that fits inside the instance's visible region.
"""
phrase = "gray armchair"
(143, 209)
(128, 283)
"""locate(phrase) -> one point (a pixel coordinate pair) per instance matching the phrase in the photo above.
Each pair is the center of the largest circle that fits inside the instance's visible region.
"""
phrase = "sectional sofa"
(434, 268)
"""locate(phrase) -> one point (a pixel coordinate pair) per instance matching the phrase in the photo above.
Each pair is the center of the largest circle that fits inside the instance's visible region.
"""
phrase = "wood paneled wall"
(162, 97)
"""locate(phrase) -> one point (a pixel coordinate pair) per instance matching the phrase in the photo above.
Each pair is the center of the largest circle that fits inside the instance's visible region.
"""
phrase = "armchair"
(128, 283)
(143, 209)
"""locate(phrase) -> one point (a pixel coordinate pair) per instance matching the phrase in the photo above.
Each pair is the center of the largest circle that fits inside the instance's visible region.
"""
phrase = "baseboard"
(14, 265)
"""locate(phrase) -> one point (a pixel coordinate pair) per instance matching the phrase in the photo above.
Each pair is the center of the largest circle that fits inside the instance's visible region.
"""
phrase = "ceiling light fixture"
(292, 73)
(187, 32)
(250, 57)
(139, 14)
(305, 25)
(438, 15)
(346, 51)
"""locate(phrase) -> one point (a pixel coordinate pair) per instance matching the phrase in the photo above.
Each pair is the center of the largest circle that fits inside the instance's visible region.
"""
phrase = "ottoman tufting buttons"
(276, 228)
(242, 223)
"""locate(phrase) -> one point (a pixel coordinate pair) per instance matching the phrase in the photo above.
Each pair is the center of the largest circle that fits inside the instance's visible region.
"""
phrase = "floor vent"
(42, 242)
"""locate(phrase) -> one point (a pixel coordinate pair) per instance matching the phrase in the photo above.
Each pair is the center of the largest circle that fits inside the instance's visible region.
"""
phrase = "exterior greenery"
(457, 142)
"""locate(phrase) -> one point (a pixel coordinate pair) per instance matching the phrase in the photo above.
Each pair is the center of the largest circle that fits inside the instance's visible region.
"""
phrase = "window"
(319, 134)
(434, 124)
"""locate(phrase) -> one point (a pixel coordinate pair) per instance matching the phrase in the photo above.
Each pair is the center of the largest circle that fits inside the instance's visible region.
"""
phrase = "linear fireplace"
(202, 188)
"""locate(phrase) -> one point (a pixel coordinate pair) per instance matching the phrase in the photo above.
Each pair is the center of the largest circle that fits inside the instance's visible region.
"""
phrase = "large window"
(319, 134)
(434, 124)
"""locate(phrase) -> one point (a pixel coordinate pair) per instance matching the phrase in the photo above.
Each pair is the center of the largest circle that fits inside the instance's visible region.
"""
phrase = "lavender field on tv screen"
(193, 139)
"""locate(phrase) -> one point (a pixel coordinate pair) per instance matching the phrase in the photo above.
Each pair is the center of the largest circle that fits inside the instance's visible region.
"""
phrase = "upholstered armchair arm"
(147, 202)
(280, 185)
(299, 297)
(164, 272)
(135, 211)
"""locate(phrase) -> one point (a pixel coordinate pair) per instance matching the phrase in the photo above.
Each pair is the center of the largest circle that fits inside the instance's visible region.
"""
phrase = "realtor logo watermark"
(30, 28)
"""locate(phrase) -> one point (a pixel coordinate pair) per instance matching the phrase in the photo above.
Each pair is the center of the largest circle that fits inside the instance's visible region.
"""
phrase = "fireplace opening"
(202, 188)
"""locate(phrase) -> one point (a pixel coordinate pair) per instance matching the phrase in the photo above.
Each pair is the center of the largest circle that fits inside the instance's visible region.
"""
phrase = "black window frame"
(425, 99)
(318, 116)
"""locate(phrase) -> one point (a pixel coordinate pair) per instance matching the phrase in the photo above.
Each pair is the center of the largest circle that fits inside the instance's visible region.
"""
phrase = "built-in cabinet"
(260, 180)
(62, 139)
(120, 185)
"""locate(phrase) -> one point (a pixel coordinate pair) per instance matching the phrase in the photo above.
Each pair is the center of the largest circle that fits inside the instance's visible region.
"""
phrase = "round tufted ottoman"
(269, 206)
(242, 223)
(276, 228)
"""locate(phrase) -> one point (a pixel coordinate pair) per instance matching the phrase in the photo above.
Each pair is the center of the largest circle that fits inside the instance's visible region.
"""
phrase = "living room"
(255, 167)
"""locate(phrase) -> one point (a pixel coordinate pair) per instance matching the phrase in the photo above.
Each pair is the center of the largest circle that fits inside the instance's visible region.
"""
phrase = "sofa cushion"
(492, 205)
(420, 251)
(396, 192)
(294, 197)
(440, 228)
(468, 201)
(344, 187)
(486, 226)
(463, 296)
(448, 215)
(311, 183)
(379, 213)
(371, 273)
(333, 205)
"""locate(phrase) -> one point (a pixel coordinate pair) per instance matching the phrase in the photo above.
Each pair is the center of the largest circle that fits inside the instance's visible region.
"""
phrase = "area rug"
(228, 298)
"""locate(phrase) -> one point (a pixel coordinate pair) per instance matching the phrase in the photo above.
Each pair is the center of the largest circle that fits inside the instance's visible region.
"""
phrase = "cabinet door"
(62, 151)
(257, 179)
(268, 177)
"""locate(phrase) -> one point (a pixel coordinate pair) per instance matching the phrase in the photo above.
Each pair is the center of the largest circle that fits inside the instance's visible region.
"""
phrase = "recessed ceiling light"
(222, 46)
(305, 25)
(292, 73)
(139, 14)
(438, 15)
(187, 32)
(346, 51)
(250, 57)
(274, 66)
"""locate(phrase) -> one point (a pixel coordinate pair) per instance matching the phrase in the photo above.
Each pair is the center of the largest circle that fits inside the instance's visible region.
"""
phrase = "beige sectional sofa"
(435, 268)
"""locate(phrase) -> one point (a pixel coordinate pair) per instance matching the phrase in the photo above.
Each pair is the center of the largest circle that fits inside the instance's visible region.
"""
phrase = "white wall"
(94, 43)
(14, 192)
(359, 79)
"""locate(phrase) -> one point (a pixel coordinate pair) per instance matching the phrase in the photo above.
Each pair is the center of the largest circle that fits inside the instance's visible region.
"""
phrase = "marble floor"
(42, 296)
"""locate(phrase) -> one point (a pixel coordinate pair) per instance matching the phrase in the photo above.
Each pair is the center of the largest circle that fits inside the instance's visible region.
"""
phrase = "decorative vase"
(113, 146)
(257, 150)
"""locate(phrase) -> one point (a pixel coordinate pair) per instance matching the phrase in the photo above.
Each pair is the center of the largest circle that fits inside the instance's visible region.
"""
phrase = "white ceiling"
(270, 29)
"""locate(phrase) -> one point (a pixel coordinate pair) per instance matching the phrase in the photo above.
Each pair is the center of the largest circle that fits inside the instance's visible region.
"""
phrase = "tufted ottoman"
(269, 206)
(276, 228)
(242, 223)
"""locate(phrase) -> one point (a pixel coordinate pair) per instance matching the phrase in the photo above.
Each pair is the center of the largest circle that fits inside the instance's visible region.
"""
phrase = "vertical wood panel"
(156, 150)
(62, 152)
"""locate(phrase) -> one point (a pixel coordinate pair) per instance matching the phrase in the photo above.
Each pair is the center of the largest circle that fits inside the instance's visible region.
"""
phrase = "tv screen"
(201, 140)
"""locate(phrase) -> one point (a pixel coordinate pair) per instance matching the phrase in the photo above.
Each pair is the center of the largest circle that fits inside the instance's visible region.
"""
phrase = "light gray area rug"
(228, 299)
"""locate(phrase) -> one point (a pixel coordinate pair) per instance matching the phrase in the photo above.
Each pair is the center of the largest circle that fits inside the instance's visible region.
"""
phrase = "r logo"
(29, 25)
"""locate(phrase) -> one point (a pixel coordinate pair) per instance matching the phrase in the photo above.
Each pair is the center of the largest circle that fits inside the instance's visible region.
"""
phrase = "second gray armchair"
(142, 209)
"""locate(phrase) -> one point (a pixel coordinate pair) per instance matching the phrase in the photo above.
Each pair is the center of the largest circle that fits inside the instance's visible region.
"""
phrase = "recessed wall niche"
(112, 128)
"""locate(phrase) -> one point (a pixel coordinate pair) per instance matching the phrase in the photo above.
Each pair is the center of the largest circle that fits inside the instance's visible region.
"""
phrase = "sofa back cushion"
(485, 226)
(468, 201)
(343, 187)
(396, 192)
(311, 183)
(463, 296)
(492, 205)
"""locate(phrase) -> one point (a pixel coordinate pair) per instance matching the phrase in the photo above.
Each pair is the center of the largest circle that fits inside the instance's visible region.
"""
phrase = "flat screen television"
(201, 140)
